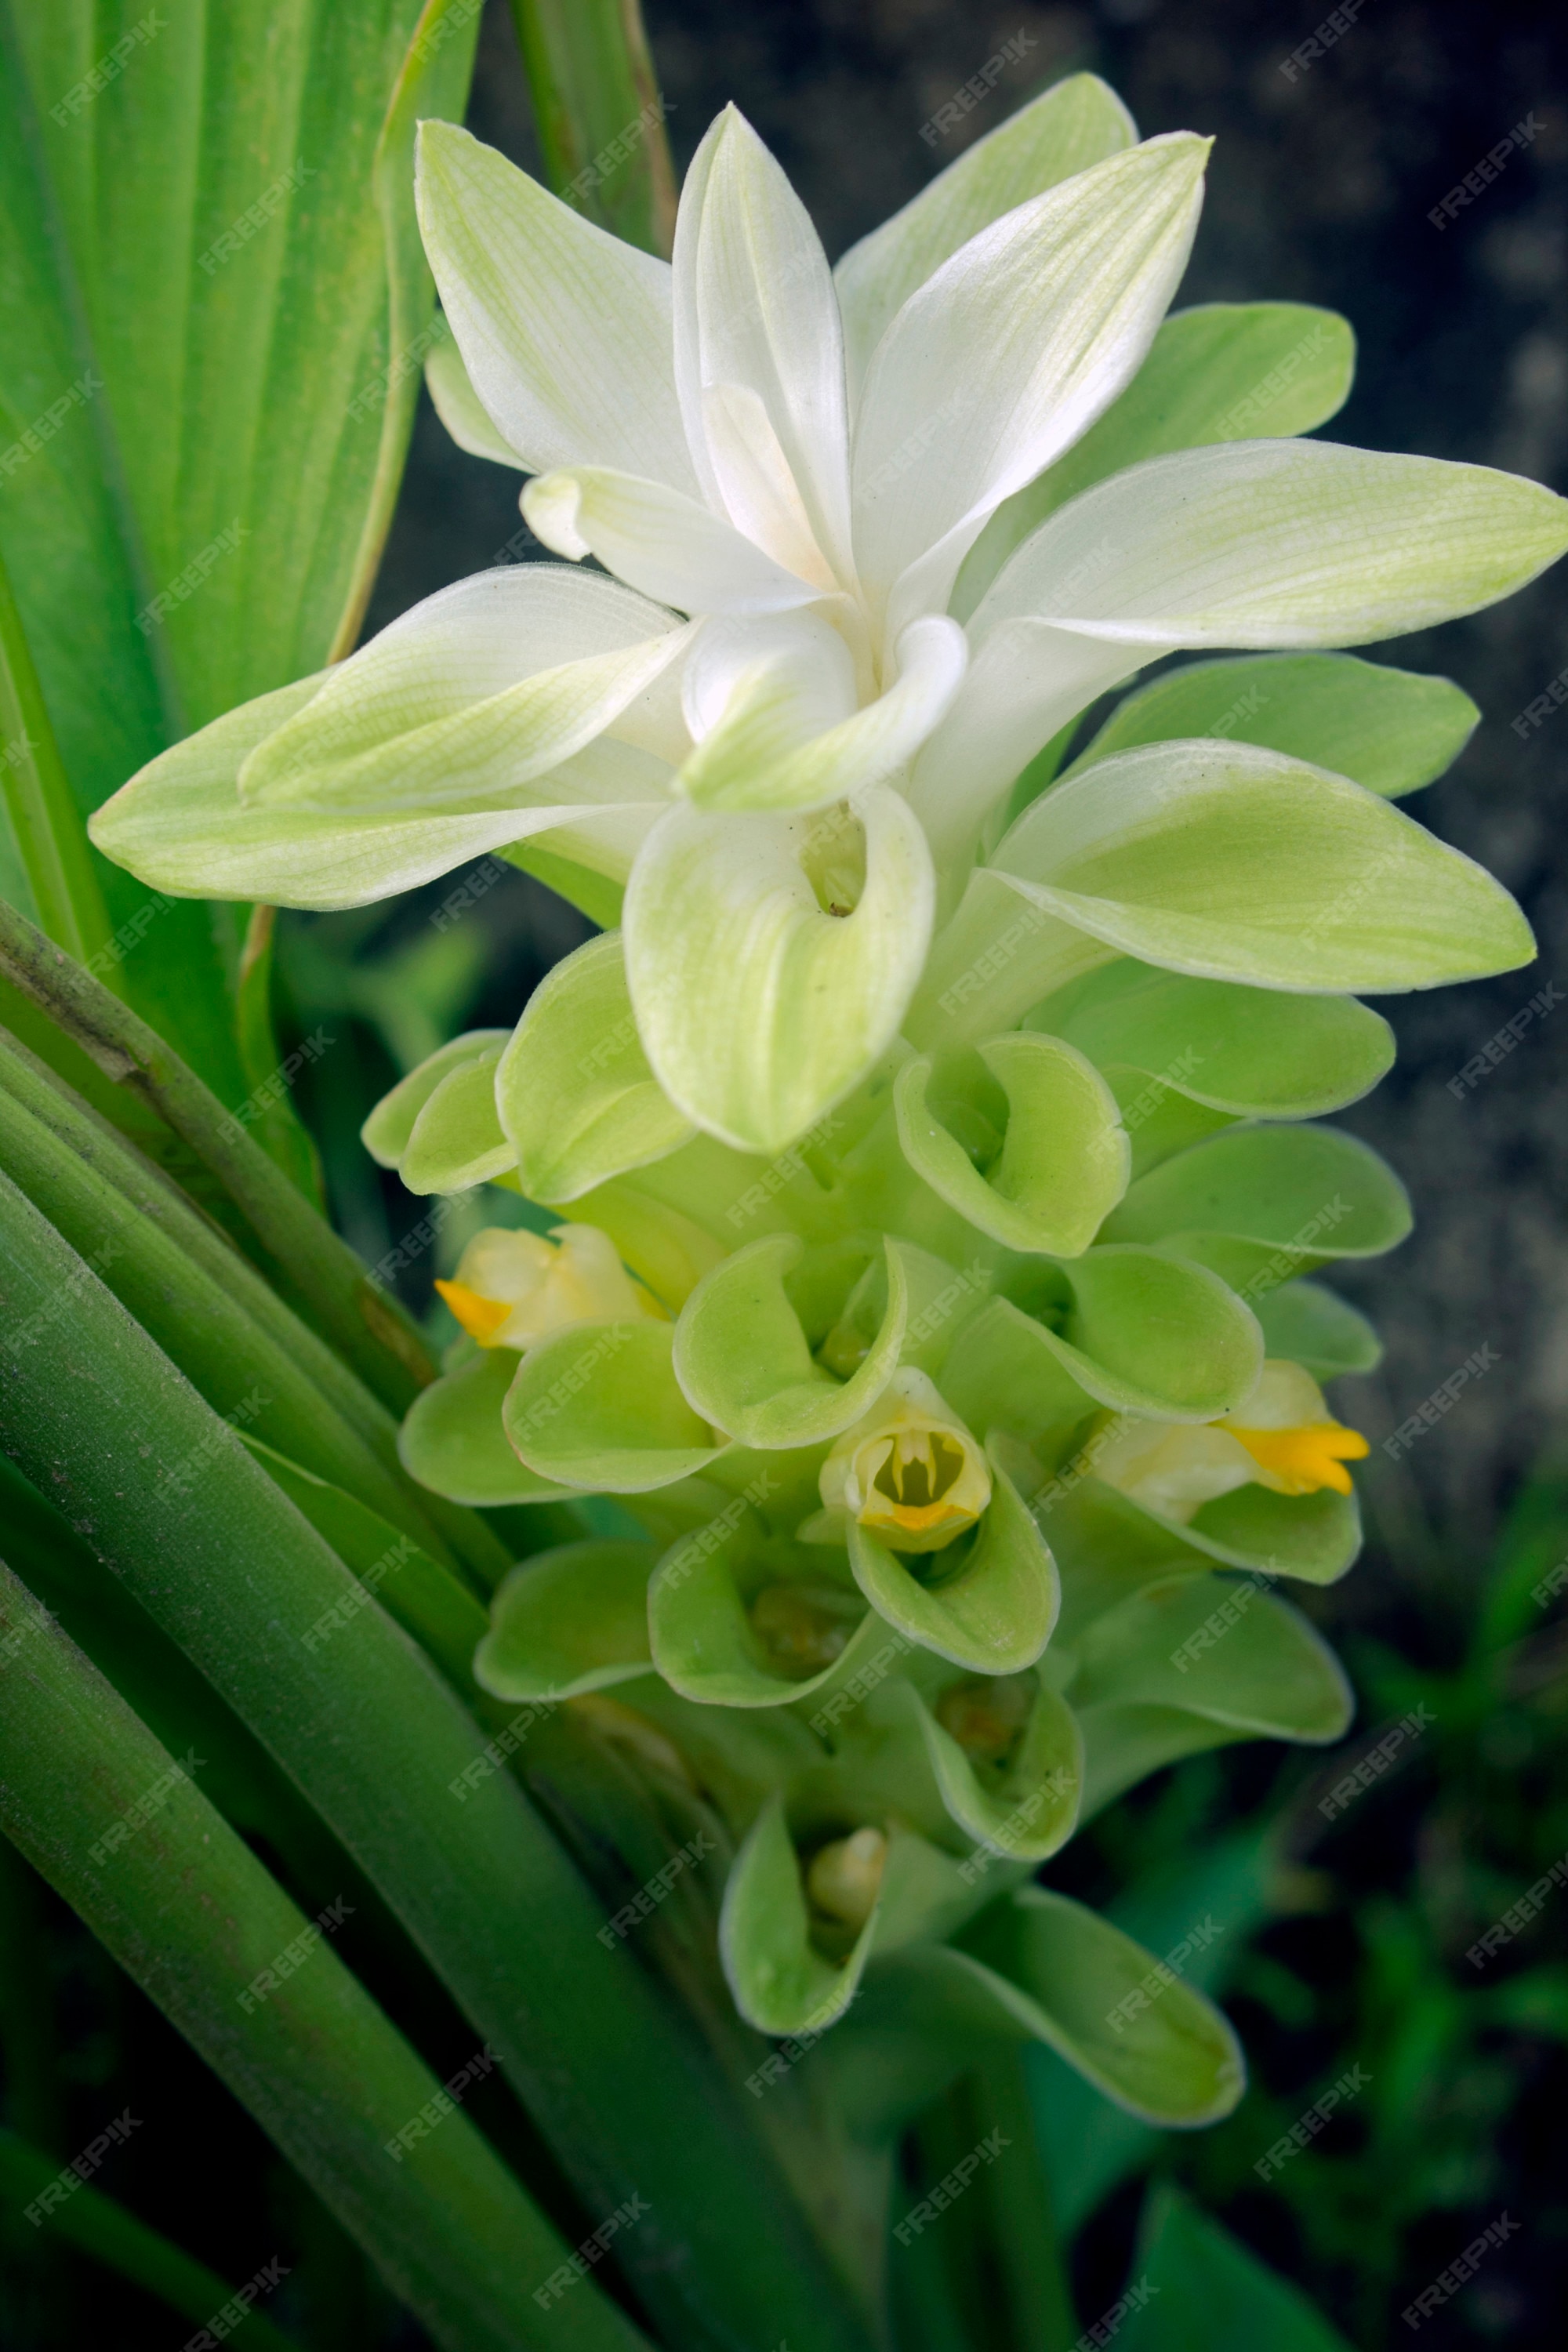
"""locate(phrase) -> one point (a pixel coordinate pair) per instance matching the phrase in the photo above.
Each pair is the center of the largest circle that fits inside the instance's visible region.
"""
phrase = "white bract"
(790, 720)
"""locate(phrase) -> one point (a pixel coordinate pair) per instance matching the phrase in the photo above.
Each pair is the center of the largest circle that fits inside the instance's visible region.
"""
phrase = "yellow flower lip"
(1307, 1459)
(920, 1481)
(480, 1318)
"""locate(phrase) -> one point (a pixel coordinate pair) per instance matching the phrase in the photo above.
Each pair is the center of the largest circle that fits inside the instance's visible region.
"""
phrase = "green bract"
(933, 1297)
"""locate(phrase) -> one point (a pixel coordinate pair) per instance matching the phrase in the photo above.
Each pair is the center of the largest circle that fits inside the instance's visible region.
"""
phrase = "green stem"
(96, 2225)
(1022, 2241)
(192, 1915)
(325, 1278)
(600, 116)
(50, 833)
(93, 1411)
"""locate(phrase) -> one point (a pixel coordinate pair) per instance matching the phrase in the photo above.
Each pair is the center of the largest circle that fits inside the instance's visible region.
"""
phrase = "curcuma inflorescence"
(928, 1141)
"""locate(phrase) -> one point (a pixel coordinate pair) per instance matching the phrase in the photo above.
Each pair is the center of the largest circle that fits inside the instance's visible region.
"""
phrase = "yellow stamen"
(480, 1318)
(1305, 1460)
(912, 1486)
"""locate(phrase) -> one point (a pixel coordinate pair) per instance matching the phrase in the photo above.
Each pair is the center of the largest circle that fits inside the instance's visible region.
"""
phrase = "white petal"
(179, 825)
(1007, 354)
(461, 410)
(1279, 544)
(565, 330)
(471, 697)
(1073, 124)
(754, 308)
(773, 749)
(660, 541)
(758, 1008)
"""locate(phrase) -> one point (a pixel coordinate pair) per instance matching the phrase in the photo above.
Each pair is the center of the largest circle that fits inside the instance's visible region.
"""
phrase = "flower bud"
(846, 1877)
(513, 1288)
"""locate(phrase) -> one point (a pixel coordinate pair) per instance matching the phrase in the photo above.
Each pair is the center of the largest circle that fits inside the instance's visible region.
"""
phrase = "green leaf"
(1145, 1333)
(782, 1984)
(1251, 1052)
(1223, 371)
(1260, 1203)
(456, 1139)
(704, 1643)
(598, 1404)
(237, 1577)
(746, 1362)
(454, 1442)
(569, 1620)
(194, 1919)
(1390, 730)
(576, 1093)
(221, 359)
(54, 867)
(1064, 1157)
(1235, 863)
(992, 1597)
(819, 925)
(316, 1265)
(1211, 2293)
(600, 121)
(1150, 2042)
(1077, 123)
(1029, 1809)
